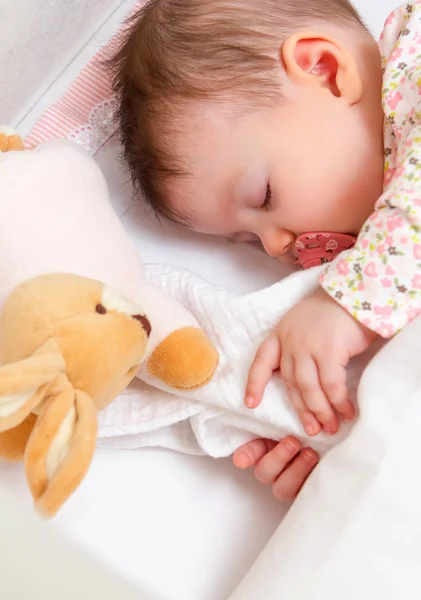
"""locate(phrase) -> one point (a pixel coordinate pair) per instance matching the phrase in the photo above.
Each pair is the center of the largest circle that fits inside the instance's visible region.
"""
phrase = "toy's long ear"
(25, 383)
(60, 448)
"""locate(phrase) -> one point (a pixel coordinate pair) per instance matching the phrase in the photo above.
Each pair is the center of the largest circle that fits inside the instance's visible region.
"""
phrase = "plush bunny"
(68, 343)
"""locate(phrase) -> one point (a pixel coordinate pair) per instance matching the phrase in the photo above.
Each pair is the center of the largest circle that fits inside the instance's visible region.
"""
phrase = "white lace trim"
(99, 128)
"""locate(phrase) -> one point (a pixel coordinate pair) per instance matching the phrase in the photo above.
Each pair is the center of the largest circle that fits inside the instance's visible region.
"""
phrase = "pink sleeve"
(379, 280)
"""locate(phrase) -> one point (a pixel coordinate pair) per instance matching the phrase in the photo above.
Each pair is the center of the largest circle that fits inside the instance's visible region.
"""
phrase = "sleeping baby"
(282, 121)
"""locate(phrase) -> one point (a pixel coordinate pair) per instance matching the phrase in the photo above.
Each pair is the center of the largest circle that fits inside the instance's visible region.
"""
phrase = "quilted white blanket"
(213, 420)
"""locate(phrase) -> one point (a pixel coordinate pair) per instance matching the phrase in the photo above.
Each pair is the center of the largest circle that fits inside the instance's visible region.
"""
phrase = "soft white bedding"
(355, 530)
(189, 528)
(186, 528)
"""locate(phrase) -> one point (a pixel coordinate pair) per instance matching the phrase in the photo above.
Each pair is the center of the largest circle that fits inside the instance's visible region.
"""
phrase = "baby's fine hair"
(182, 51)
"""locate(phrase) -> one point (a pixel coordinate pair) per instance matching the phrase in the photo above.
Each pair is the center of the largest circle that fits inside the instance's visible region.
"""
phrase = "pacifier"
(319, 248)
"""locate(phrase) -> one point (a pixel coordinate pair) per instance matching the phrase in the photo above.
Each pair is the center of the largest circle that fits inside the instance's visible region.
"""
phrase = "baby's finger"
(266, 361)
(287, 369)
(274, 462)
(289, 483)
(308, 419)
(249, 454)
(333, 380)
(307, 377)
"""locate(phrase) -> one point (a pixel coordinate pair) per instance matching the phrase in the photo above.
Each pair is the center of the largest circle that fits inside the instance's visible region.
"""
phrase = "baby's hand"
(283, 465)
(312, 346)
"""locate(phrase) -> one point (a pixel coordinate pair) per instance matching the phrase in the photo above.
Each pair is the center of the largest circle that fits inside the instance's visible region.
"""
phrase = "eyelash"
(268, 198)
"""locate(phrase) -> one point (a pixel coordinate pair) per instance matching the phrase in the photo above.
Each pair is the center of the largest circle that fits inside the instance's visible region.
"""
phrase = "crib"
(162, 525)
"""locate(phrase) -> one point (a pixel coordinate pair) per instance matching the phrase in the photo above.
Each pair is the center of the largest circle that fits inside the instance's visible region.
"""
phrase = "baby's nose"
(144, 322)
(278, 242)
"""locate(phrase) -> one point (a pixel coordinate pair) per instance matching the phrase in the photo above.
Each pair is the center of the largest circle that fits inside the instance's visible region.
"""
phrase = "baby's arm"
(284, 465)
(379, 281)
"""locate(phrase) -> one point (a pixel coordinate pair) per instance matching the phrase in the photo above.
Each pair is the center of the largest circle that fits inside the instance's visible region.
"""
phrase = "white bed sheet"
(188, 528)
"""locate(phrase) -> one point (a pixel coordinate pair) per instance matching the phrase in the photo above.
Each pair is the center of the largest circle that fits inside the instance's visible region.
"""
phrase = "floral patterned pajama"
(378, 281)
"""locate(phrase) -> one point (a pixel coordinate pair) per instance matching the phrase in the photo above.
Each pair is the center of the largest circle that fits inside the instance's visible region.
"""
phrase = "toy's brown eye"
(145, 323)
(100, 309)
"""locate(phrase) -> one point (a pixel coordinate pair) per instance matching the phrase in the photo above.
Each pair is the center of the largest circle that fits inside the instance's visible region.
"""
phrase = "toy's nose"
(144, 322)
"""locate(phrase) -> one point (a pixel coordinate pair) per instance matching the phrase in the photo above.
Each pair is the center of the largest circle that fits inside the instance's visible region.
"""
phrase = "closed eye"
(239, 238)
(268, 198)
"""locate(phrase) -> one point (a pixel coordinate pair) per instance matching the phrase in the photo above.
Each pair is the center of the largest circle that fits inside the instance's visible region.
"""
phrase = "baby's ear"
(25, 383)
(317, 59)
(60, 448)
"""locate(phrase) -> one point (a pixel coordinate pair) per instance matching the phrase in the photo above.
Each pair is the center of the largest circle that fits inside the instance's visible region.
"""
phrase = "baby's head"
(253, 118)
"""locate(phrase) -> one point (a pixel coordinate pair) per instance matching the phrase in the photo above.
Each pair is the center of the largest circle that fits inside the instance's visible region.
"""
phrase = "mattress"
(187, 528)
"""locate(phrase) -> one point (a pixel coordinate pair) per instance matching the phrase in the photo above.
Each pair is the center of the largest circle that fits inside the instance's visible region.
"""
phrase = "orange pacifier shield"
(319, 248)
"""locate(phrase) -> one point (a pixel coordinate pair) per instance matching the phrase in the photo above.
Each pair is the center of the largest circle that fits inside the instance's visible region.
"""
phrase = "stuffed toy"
(10, 140)
(78, 320)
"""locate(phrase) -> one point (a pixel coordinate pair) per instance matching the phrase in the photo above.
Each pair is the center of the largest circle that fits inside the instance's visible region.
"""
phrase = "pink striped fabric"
(84, 112)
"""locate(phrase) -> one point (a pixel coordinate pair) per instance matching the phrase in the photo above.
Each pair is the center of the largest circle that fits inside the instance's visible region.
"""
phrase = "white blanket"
(213, 420)
(355, 530)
